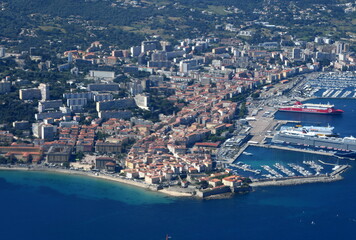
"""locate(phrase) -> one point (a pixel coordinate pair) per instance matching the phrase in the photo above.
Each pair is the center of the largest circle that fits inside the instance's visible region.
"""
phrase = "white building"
(44, 91)
(102, 74)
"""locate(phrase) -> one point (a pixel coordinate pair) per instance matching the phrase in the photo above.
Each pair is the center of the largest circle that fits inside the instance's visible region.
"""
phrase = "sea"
(43, 206)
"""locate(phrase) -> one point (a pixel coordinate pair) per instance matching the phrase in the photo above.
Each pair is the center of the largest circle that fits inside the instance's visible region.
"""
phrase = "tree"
(243, 110)
(101, 136)
(255, 95)
(79, 156)
(66, 164)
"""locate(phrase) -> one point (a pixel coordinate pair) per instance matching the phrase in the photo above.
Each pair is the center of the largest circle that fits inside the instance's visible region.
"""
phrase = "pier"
(325, 163)
(293, 149)
(340, 170)
(246, 169)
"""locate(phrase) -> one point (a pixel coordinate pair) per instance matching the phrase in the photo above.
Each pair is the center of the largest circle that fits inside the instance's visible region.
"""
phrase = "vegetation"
(12, 109)
(79, 156)
(101, 136)
(60, 25)
(243, 110)
(255, 95)
(158, 104)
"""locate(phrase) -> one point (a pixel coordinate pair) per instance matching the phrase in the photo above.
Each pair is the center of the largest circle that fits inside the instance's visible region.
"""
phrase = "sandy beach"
(174, 193)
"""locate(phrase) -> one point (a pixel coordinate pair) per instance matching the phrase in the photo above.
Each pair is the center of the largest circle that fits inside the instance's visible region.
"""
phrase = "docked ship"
(311, 108)
(346, 144)
(327, 131)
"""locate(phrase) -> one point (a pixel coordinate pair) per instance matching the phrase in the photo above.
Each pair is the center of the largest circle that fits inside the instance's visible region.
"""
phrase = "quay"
(231, 160)
(293, 149)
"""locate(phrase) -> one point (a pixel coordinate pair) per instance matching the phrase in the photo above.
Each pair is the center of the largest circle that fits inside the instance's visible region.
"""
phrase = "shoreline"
(100, 176)
(172, 193)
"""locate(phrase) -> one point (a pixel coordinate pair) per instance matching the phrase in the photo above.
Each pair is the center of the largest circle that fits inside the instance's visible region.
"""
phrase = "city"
(203, 79)
(152, 118)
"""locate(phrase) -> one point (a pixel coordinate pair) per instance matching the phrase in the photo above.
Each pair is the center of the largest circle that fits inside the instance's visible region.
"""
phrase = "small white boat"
(247, 153)
(336, 167)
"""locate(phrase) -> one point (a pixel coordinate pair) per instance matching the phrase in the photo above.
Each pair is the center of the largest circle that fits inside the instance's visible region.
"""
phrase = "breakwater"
(334, 176)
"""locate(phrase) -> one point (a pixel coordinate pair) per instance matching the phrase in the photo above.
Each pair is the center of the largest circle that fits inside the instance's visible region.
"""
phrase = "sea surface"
(42, 206)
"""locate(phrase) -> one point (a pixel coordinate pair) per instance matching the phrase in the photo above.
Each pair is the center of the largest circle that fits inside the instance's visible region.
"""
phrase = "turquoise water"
(85, 187)
(37, 205)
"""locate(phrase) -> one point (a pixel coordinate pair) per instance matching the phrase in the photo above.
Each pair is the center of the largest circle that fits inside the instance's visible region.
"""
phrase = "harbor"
(307, 161)
(329, 85)
(267, 168)
(332, 85)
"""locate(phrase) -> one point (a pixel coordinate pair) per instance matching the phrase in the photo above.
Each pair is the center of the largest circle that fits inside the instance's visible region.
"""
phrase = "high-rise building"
(2, 51)
(135, 51)
(44, 106)
(44, 91)
(70, 57)
(5, 86)
(191, 64)
(116, 104)
(142, 101)
(87, 95)
(149, 46)
(47, 132)
(296, 53)
(341, 47)
(30, 94)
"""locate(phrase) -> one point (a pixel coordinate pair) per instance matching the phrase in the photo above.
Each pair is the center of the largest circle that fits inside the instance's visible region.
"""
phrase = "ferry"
(327, 131)
(312, 139)
(311, 108)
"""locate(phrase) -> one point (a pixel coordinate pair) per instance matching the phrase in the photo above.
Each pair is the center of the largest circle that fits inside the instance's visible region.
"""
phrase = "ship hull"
(332, 143)
(315, 111)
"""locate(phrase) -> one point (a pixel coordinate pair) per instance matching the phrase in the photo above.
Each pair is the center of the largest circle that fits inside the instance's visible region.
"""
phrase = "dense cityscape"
(158, 114)
(154, 119)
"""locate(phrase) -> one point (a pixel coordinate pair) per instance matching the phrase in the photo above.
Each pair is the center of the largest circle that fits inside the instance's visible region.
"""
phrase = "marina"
(273, 166)
(311, 162)
(332, 85)
(245, 167)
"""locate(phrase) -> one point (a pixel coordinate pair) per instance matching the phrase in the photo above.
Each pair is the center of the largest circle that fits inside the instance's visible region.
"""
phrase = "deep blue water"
(36, 205)
(265, 156)
(345, 124)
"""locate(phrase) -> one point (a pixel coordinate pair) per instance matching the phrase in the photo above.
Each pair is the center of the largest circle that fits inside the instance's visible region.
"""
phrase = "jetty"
(325, 163)
(245, 168)
(339, 170)
(293, 149)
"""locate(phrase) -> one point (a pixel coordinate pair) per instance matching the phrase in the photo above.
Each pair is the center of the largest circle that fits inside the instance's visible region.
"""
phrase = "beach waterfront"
(47, 203)
(96, 175)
